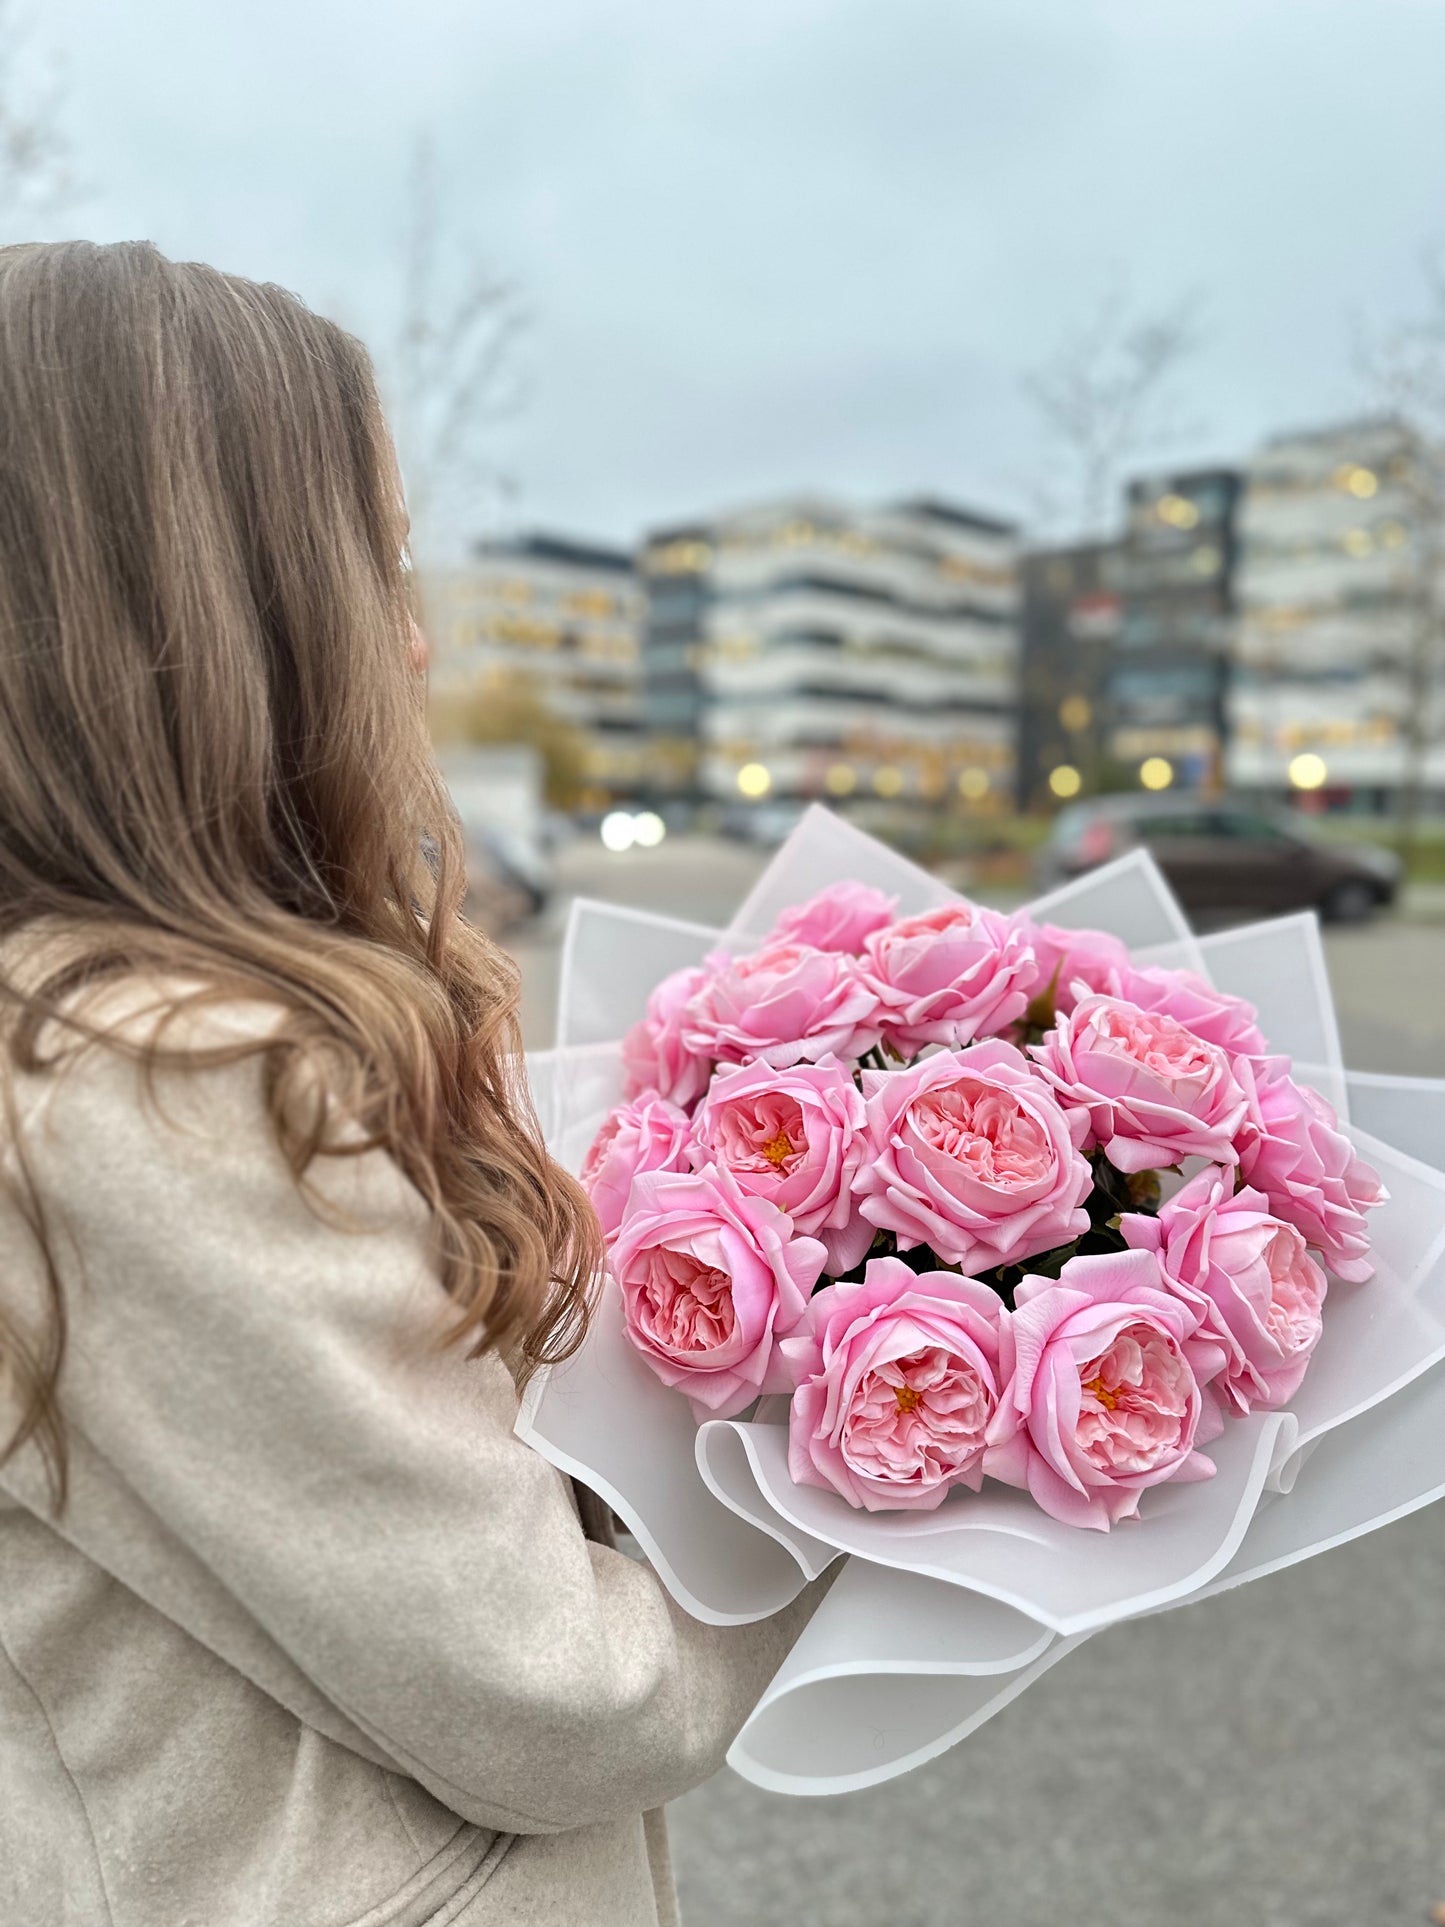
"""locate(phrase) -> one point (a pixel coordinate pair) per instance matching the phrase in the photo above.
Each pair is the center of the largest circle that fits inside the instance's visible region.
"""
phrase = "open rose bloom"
(711, 1279)
(1105, 1374)
(968, 1153)
(897, 1381)
(1014, 1261)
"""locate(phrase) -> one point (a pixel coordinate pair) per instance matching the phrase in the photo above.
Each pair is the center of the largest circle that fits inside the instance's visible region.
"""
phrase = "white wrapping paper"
(938, 1619)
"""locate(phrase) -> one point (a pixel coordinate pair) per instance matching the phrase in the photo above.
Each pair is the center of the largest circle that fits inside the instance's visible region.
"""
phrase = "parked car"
(1224, 856)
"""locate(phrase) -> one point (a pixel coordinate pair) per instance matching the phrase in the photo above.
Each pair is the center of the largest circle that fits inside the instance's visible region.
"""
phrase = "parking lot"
(1273, 1758)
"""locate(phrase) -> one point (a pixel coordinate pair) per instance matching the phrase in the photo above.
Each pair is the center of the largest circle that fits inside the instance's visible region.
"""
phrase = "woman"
(292, 1629)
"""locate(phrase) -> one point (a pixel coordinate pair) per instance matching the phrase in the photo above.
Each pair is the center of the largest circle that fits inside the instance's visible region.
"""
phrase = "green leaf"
(1043, 1005)
(1144, 1190)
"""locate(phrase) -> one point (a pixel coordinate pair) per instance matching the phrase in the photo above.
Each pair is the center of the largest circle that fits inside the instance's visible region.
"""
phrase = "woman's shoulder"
(120, 1057)
(144, 1075)
(129, 1008)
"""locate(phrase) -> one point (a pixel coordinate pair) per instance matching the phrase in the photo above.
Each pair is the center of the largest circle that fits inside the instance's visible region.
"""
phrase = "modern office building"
(561, 618)
(1329, 590)
(1166, 695)
(804, 648)
(1071, 613)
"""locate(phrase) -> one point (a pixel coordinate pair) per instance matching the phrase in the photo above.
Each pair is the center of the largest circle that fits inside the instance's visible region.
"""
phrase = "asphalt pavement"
(1271, 1758)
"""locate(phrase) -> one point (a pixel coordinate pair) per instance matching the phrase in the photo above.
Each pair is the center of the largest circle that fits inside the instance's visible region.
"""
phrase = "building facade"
(1166, 694)
(1071, 613)
(806, 649)
(1326, 689)
(561, 620)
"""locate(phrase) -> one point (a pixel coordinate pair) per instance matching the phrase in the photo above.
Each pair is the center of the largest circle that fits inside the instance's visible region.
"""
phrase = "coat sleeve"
(264, 1379)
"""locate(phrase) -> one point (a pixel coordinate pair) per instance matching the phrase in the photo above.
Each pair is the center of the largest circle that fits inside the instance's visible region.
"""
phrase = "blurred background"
(1018, 424)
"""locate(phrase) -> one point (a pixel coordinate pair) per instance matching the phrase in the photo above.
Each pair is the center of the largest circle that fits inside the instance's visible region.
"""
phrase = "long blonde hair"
(214, 762)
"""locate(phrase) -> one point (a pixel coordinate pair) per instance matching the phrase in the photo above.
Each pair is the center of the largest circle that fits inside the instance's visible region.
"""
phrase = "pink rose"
(970, 1154)
(1153, 1091)
(1212, 1014)
(649, 1134)
(1102, 1396)
(1292, 1149)
(838, 918)
(1091, 963)
(897, 1382)
(948, 976)
(1069, 964)
(654, 1056)
(1247, 1277)
(710, 1280)
(788, 1004)
(794, 1137)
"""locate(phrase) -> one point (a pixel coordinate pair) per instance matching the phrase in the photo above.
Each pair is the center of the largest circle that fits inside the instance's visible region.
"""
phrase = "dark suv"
(1225, 856)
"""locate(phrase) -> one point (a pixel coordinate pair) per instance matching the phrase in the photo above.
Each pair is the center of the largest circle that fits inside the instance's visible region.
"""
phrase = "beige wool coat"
(317, 1642)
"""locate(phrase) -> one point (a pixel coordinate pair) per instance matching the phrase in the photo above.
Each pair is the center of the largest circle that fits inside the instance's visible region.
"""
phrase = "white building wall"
(1325, 589)
(853, 651)
(569, 627)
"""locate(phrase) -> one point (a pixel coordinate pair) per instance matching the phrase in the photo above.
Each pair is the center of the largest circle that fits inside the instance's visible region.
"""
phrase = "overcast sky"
(784, 244)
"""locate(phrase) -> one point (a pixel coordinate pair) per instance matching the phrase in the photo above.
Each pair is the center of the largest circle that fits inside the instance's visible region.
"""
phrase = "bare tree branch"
(1103, 396)
(457, 364)
(1404, 370)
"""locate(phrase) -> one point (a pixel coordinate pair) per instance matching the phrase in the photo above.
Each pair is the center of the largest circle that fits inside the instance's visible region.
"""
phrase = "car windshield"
(1257, 825)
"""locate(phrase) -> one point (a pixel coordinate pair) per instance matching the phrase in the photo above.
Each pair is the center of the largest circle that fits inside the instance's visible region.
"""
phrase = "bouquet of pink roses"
(937, 1234)
(982, 1196)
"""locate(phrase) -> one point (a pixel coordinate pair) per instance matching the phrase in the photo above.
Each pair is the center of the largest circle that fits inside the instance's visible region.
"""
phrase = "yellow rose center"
(1101, 1392)
(908, 1399)
(778, 1148)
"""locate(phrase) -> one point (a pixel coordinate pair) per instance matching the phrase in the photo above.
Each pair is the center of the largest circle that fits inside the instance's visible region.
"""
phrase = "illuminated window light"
(1308, 771)
(679, 558)
(1156, 772)
(1178, 511)
(1362, 483)
(1065, 780)
(755, 780)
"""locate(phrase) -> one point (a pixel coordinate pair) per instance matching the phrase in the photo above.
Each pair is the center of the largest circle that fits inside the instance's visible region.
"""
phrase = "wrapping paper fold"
(939, 1619)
